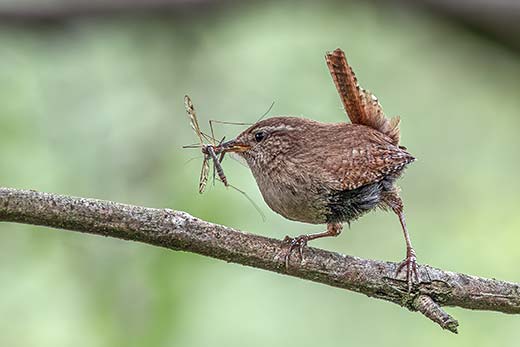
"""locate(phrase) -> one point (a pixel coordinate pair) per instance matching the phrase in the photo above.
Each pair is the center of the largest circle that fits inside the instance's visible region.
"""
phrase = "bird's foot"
(410, 264)
(295, 242)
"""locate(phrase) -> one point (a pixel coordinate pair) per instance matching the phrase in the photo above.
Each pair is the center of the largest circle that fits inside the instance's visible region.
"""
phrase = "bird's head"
(269, 139)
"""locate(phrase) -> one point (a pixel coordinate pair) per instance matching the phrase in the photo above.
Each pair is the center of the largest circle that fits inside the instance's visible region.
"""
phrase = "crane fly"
(210, 151)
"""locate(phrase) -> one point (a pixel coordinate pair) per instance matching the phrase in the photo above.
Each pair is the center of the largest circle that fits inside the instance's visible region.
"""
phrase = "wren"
(322, 173)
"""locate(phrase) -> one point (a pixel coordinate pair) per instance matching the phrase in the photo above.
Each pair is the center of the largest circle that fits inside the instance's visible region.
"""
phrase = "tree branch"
(179, 231)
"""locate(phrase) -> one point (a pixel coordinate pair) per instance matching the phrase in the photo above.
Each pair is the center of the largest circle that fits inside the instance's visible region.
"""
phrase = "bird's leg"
(333, 229)
(410, 263)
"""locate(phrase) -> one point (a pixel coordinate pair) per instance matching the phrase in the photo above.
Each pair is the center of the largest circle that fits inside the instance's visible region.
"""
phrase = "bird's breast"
(291, 193)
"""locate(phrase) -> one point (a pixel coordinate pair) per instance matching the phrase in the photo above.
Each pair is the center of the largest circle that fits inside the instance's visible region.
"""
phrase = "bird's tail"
(362, 106)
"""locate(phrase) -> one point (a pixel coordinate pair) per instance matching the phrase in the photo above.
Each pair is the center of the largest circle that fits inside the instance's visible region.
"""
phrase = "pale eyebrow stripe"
(277, 128)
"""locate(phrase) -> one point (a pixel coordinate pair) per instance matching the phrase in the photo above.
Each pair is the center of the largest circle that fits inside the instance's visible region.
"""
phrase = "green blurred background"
(93, 106)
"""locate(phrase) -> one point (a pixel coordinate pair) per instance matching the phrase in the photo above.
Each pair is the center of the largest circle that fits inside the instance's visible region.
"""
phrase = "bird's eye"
(259, 136)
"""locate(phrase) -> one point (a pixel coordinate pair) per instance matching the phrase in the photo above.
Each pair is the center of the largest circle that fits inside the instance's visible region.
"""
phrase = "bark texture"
(180, 231)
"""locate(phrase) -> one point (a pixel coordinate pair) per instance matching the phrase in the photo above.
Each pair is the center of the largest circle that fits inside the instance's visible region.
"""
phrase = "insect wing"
(193, 118)
(204, 174)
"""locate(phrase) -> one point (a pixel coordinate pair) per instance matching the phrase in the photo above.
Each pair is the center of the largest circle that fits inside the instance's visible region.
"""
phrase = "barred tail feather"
(362, 106)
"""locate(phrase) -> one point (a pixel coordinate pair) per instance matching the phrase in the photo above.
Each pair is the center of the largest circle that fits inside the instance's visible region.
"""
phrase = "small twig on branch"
(179, 231)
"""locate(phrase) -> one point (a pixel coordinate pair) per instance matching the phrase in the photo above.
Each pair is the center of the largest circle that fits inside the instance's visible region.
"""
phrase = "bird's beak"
(234, 146)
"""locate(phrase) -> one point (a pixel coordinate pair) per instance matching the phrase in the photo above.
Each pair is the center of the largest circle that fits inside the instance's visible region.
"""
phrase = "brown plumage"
(361, 106)
(318, 173)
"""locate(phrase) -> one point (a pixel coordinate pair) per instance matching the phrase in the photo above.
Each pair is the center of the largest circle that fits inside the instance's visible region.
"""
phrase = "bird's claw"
(295, 242)
(410, 263)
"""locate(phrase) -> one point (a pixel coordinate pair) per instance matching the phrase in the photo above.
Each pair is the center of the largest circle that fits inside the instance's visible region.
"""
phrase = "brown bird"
(323, 173)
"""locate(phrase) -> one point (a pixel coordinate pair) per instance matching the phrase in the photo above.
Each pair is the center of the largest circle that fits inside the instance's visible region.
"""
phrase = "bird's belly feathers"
(301, 203)
(293, 201)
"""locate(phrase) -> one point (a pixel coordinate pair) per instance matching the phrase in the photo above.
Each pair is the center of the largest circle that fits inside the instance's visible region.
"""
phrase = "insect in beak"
(234, 147)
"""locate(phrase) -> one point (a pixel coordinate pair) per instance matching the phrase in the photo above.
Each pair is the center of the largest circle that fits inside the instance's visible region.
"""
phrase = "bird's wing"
(362, 107)
(361, 165)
